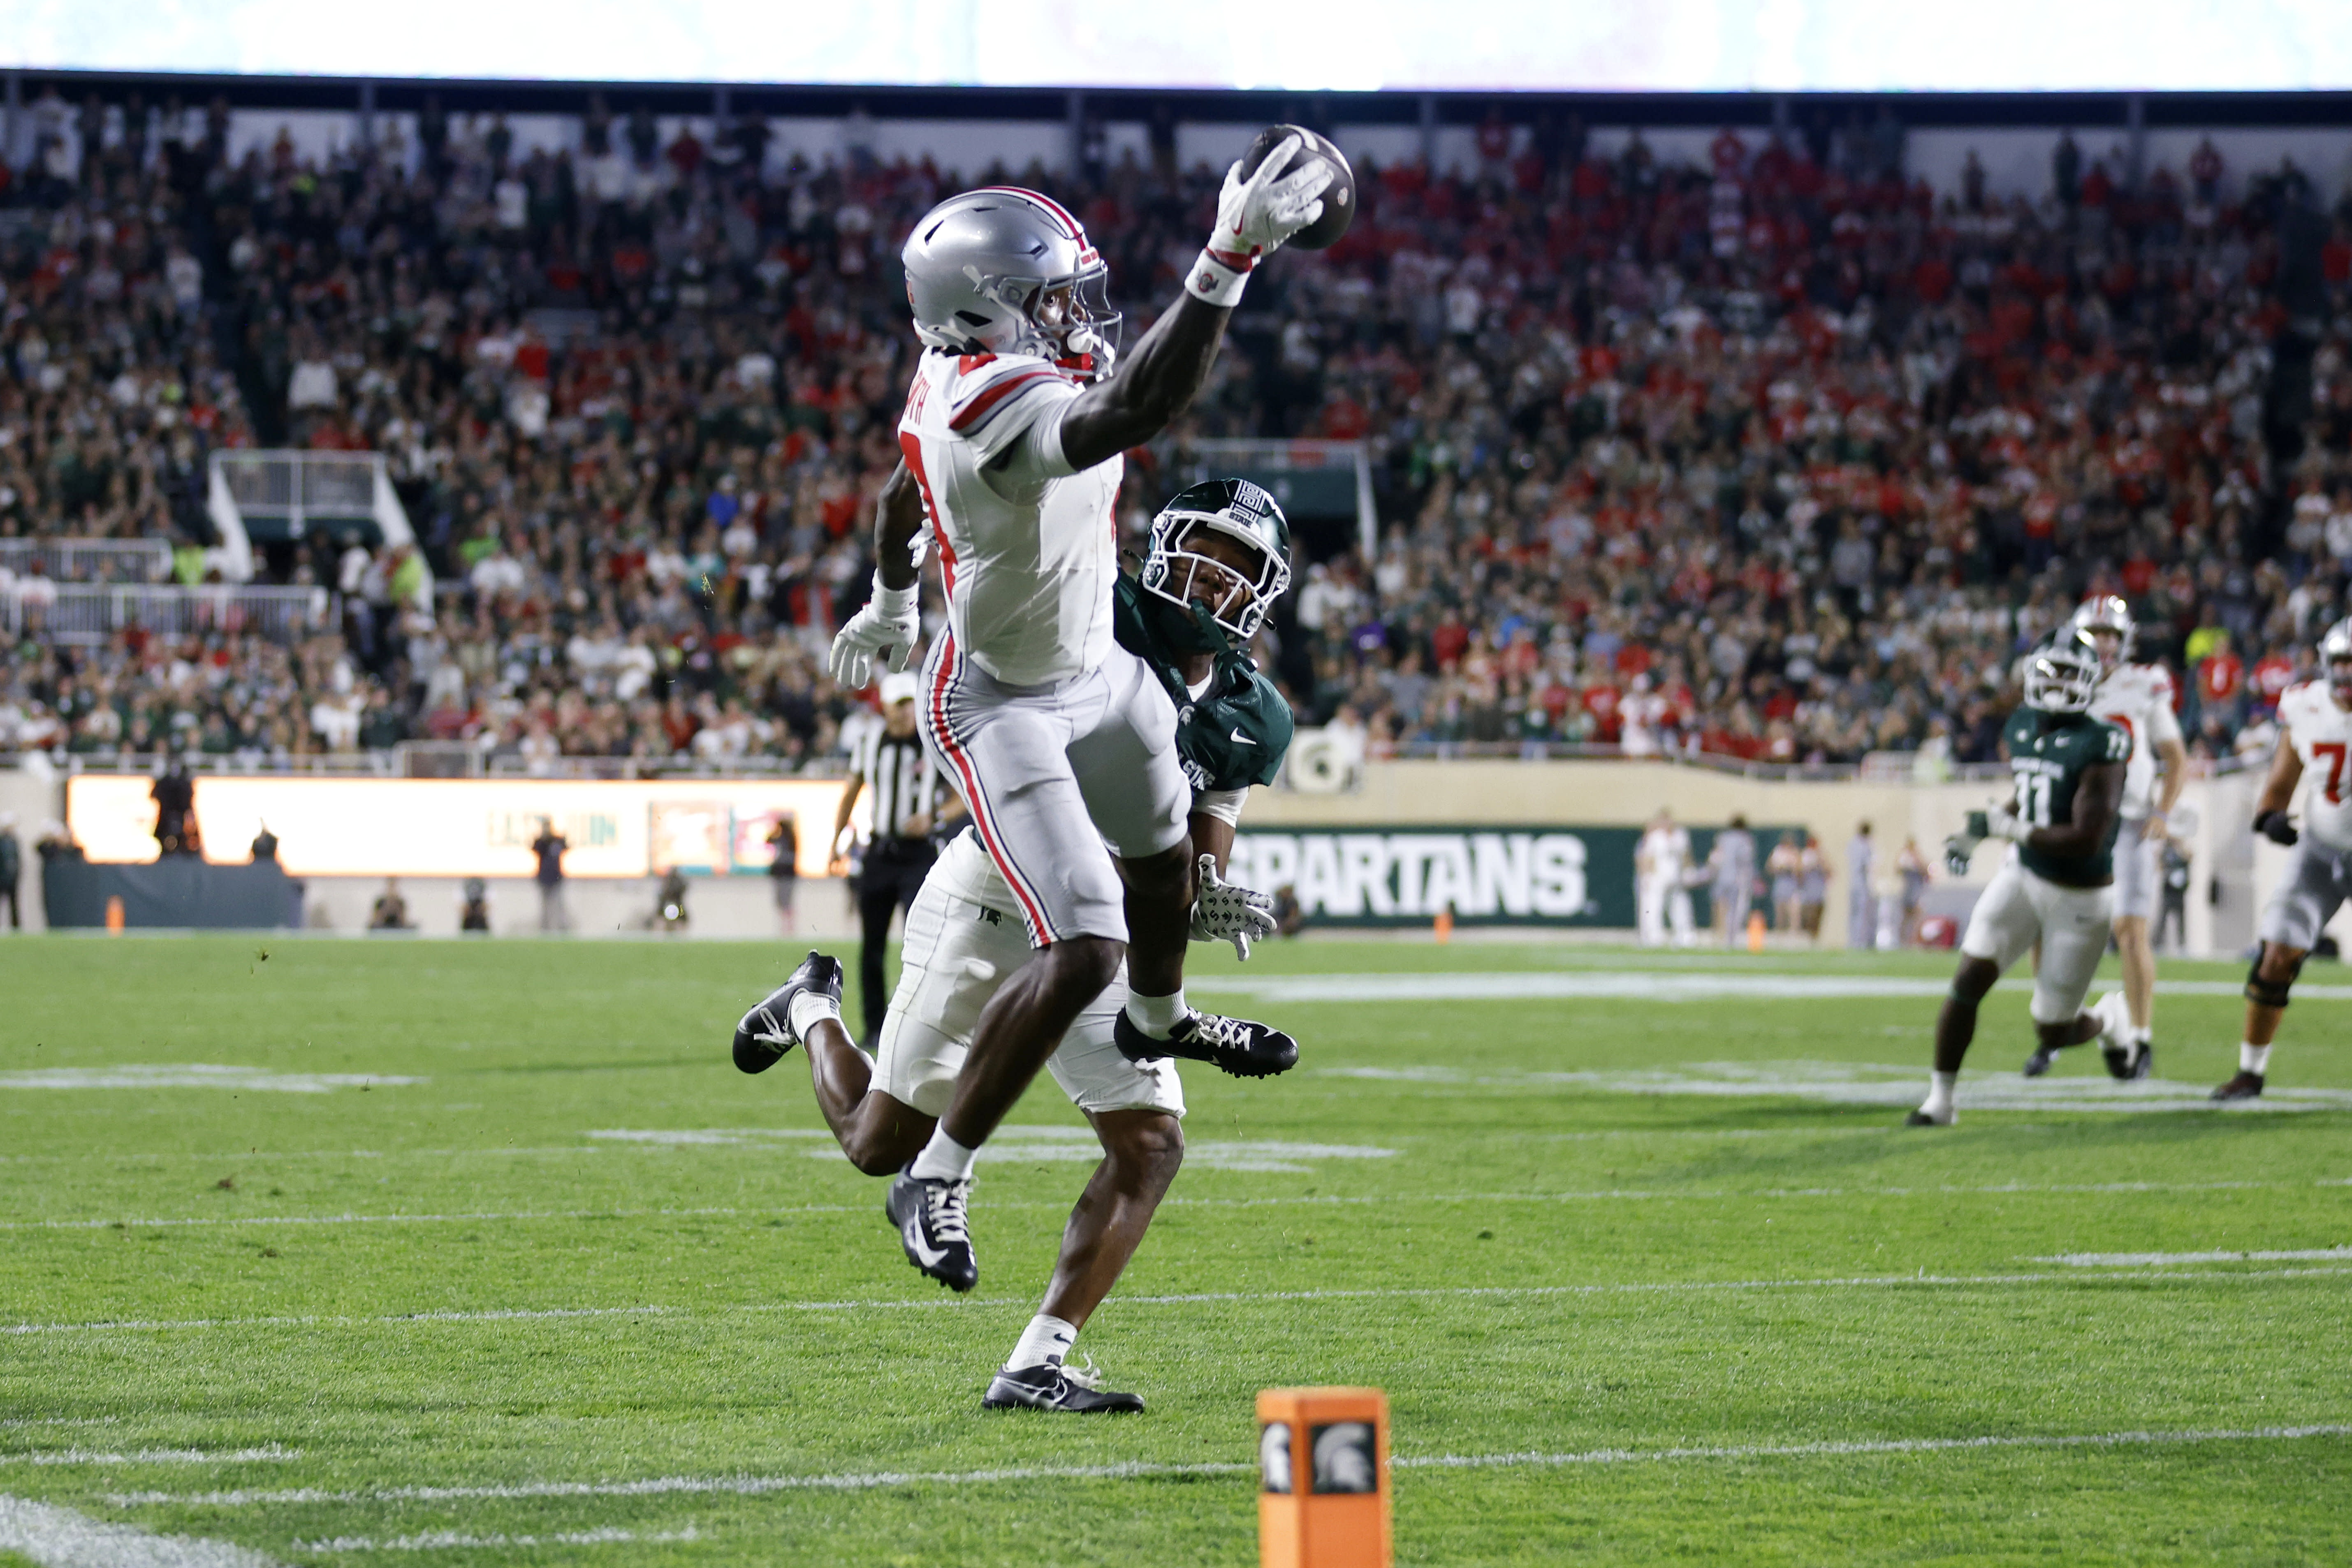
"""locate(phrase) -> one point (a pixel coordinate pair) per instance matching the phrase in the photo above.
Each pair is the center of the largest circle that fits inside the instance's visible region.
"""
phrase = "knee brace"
(2269, 992)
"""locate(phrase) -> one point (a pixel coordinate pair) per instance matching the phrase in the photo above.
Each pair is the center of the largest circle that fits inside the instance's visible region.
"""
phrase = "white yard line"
(60, 1538)
(754, 1486)
(1642, 986)
(1595, 1195)
(2159, 1259)
(969, 1303)
(452, 1540)
(153, 1456)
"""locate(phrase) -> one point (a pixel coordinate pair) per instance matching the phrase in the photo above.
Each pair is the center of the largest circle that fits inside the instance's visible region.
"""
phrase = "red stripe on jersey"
(912, 445)
(997, 394)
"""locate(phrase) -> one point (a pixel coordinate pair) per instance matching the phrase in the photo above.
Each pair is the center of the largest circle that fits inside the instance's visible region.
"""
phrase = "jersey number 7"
(2334, 752)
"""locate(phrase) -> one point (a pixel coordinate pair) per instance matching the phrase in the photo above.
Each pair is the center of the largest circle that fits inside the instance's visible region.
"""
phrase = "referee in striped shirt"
(909, 798)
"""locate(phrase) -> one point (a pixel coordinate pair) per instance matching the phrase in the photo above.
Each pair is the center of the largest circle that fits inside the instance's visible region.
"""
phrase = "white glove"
(1256, 214)
(1227, 912)
(2003, 823)
(891, 619)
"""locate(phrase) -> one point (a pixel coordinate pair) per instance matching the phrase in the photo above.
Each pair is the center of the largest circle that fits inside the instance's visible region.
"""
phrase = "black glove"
(2275, 827)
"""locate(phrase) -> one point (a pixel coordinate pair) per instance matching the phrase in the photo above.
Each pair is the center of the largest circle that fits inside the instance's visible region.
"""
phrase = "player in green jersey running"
(2059, 889)
(1220, 554)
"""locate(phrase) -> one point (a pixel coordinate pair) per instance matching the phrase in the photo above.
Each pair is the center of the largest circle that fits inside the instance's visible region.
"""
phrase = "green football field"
(330, 1251)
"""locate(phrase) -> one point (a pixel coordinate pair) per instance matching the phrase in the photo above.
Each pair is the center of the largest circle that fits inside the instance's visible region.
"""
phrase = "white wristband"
(895, 602)
(1213, 282)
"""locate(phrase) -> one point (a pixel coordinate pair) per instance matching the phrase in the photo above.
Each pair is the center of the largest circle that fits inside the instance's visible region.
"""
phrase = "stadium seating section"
(1782, 459)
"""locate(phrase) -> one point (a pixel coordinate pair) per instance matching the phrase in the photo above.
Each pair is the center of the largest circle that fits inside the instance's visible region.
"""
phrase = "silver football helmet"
(2062, 675)
(1006, 271)
(2107, 614)
(2336, 660)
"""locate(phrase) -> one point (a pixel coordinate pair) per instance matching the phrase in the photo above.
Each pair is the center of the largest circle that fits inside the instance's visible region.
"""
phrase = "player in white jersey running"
(2315, 721)
(2137, 699)
(1061, 743)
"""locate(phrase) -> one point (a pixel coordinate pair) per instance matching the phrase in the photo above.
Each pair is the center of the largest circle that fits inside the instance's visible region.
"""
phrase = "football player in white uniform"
(2058, 888)
(2314, 722)
(1060, 741)
(965, 941)
(2137, 699)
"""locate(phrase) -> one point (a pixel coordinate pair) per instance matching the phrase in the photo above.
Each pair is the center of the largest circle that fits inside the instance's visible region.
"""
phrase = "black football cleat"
(2127, 1061)
(932, 1228)
(766, 1032)
(2245, 1086)
(1921, 1119)
(1057, 1388)
(2039, 1062)
(1234, 1046)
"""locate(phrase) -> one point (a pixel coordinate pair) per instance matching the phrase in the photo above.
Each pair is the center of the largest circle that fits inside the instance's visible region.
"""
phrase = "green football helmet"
(1205, 588)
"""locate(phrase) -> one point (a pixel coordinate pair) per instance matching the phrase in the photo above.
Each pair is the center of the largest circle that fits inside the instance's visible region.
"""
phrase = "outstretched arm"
(1156, 382)
(1254, 216)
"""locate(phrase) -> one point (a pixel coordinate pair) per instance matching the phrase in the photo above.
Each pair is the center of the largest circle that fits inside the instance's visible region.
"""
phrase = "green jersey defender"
(2048, 755)
(1186, 605)
(2059, 892)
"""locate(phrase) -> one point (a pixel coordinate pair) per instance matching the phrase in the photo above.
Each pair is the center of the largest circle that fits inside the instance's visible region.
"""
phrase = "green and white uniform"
(964, 935)
(2066, 903)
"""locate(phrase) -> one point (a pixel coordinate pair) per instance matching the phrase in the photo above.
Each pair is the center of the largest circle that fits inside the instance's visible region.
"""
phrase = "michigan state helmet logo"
(1220, 551)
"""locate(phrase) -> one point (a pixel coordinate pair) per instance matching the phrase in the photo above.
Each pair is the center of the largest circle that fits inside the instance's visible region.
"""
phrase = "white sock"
(2253, 1058)
(810, 1008)
(1938, 1103)
(1044, 1342)
(943, 1159)
(1157, 1016)
(2141, 1034)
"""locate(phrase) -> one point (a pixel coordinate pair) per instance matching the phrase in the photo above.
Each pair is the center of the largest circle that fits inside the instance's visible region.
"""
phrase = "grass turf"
(1730, 1256)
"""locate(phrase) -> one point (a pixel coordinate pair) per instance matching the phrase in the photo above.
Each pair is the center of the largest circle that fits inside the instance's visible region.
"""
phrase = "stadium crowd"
(1783, 457)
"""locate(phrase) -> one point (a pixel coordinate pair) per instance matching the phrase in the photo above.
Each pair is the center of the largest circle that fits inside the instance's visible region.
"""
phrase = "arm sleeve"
(1224, 805)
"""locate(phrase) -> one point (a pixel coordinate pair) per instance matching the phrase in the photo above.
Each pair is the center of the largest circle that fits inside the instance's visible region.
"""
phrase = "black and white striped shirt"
(900, 781)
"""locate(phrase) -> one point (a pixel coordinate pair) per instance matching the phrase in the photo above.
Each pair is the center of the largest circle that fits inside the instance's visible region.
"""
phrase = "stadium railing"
(89, 560)
(87, 612)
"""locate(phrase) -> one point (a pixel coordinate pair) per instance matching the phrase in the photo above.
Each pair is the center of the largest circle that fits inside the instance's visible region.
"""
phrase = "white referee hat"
(900, 687)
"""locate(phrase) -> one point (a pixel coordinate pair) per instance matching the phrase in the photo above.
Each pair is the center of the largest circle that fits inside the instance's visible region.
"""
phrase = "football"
(1338, 198)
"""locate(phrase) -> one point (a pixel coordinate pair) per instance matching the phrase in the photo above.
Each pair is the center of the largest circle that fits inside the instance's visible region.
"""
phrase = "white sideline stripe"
(60, 1537)
(1886, 1084)
(197, 1075)
(1595, 1195)
(967, 1303)
(1643, 985)
(1889, 1446)
(153, 1456)
(754, 1486)
(452, 1540)
(2148, 1259)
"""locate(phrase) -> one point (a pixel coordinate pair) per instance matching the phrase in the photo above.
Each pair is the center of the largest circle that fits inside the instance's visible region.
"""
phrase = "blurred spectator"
(174, 794)
(783, 866)
(390, 910)
(12, 869)
(474, 907)
(555, 913)
(264, 846)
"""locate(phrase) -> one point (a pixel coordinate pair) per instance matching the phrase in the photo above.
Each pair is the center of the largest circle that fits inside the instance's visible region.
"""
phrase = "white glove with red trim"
(1254, 216)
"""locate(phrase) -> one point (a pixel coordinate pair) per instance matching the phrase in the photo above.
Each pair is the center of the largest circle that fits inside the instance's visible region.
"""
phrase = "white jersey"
(1029, 550)
(2322, 733)
(1667, 852)
(2137, 699)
